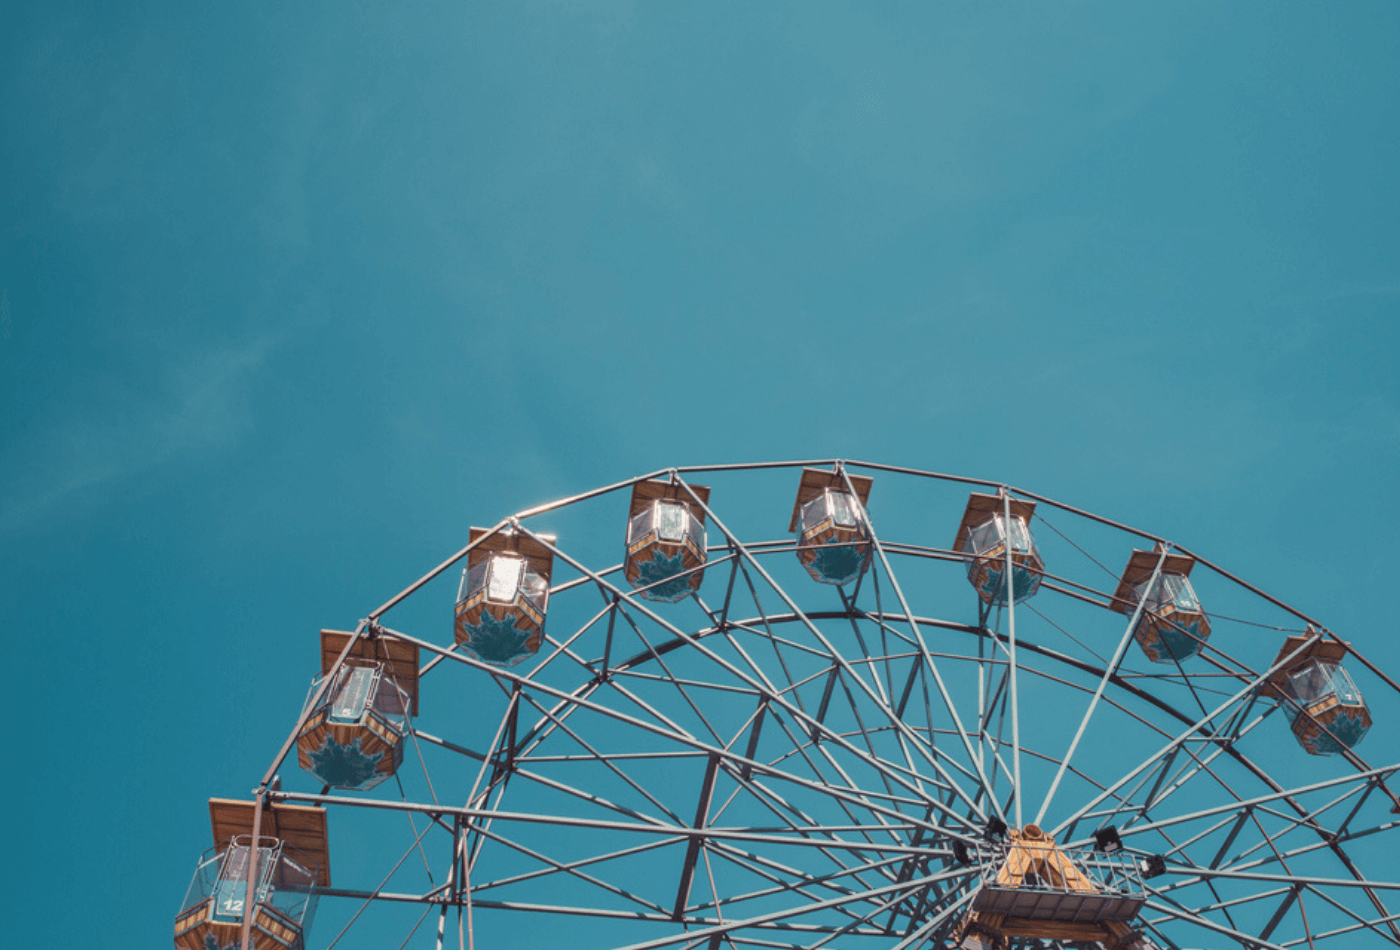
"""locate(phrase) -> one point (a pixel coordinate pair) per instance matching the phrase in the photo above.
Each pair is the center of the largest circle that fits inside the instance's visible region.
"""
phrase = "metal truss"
(778, 763)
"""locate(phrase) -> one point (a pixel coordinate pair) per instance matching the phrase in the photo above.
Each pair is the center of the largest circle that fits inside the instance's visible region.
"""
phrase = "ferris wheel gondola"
(823, 738)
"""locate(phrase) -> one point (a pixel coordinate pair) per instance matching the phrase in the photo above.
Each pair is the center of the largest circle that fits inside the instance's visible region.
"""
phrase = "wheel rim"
(781, 763)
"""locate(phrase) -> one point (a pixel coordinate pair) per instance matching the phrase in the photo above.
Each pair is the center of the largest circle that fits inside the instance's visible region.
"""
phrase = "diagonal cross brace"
(692, 851)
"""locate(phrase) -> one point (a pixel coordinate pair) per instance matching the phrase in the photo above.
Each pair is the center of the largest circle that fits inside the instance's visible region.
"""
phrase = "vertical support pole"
(1010, 581)
(463, 890)
(505, 747)
(451, 880)
(984, 674)
(250, 899)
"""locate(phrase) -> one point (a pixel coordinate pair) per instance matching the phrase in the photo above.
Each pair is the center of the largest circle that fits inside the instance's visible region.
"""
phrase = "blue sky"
(297, 294)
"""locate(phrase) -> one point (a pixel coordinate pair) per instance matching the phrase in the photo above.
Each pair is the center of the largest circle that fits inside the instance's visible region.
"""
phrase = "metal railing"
(1042, 882)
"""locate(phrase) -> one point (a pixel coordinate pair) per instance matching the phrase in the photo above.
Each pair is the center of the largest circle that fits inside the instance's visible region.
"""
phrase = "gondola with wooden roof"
(666, 540)
(289, 863)
(984, 536)
(1315, 692)
(503, 597)
(833, 535)
(1172, 625)
(354, 737)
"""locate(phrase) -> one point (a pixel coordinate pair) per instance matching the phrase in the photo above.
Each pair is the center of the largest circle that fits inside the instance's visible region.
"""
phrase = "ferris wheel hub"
(1032, 888)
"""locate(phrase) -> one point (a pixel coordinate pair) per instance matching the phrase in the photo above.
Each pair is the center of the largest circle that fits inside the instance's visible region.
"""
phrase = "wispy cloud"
(204, 405)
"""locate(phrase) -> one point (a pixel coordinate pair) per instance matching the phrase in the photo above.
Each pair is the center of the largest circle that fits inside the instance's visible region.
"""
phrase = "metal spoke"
(782, 763)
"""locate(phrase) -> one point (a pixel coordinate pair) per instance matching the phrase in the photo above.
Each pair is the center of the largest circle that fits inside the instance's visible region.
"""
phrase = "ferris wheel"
(934, 711)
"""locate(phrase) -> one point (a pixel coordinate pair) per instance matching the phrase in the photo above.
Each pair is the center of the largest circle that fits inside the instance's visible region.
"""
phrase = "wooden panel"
(309, 741)
(276, 928)
(1052, 929)
(401, 657)
(1124, 936)
(978, 932)
(272, 930)
(191, 919)
(815, 481)
(222, 934)
(1323, 649)
(1141, 564)
(830, 533)
(981, 507)
(301, 826)
(1020, 860)
(540, 557)
(1318, 721)
(644, 493)
(1065, 873)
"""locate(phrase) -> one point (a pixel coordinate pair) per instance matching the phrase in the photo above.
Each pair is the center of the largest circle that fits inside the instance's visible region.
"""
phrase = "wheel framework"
(776, 762)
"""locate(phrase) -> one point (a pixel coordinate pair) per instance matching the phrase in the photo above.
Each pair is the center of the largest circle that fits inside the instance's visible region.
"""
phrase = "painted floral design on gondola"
(1023, 585)
(345, 766)
(839, 563)
(662, 568)
(497, 641)
(1344, 730)
(1175, 641)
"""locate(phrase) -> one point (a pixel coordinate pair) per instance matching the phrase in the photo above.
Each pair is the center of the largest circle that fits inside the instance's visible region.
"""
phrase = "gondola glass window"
(503, 597)
(666, 540)
(987, 535)
(672, 519)
(834, 547)
(504, 575)
(1172, 625)
(833, 539)
(351, 694)
(284, 896)
(1171, 590)
(1321, 693)
(1323, 705)
(354, 737)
